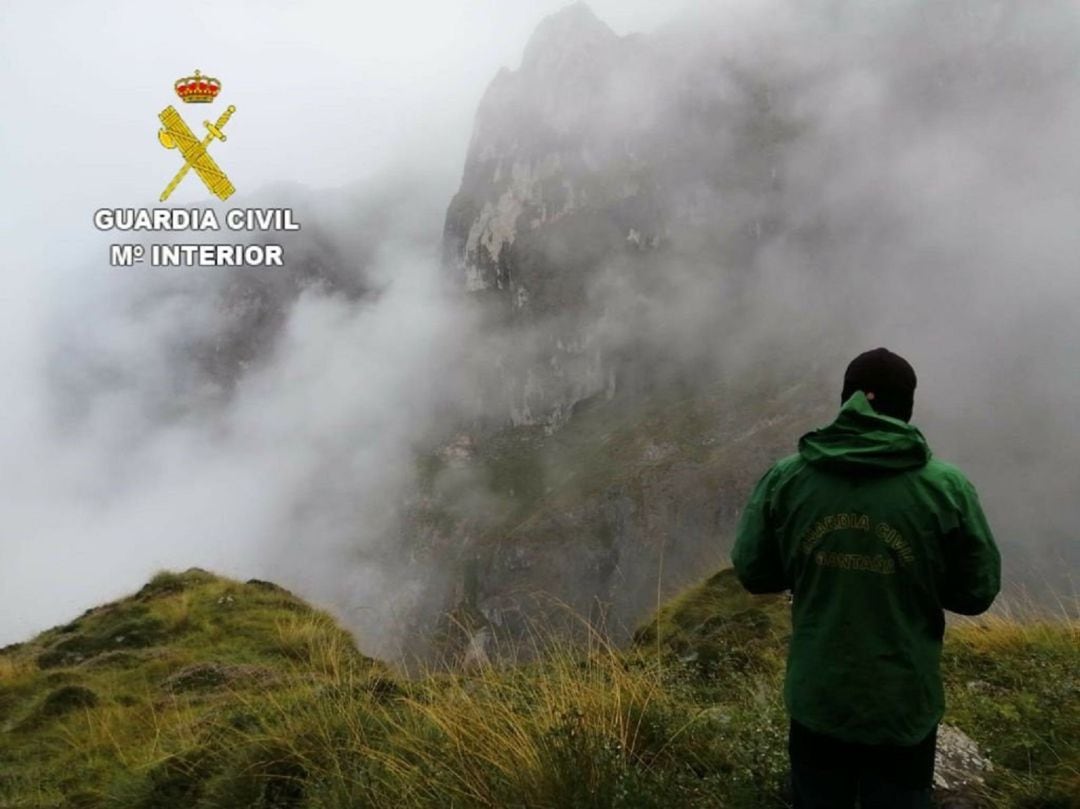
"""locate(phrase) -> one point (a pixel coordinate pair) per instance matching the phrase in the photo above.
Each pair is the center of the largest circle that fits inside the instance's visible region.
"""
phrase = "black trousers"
(827, 773)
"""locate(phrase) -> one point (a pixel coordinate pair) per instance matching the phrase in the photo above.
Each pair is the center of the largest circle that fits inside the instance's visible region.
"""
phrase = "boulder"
(959, 770)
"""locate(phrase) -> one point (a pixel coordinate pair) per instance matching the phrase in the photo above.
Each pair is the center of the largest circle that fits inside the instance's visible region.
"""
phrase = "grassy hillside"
(199, 691)
(624, 505)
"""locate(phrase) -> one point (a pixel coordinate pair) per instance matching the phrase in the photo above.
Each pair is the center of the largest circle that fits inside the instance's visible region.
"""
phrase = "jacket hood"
(861, 440)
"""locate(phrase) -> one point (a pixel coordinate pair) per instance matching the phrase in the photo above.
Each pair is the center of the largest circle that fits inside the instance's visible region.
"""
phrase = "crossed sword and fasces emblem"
(177, 135)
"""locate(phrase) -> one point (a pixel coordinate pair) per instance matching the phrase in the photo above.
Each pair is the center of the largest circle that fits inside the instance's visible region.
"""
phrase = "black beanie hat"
(889, 376)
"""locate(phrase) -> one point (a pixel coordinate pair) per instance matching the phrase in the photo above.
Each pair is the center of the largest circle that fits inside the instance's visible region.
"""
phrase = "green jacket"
(874, 539)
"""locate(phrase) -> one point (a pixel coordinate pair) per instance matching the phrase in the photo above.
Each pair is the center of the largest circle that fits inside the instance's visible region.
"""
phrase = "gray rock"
(476, 655)
(959, 770)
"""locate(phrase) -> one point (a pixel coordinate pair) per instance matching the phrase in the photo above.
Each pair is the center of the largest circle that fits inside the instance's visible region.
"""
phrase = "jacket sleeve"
(756, 555)
(972, 576)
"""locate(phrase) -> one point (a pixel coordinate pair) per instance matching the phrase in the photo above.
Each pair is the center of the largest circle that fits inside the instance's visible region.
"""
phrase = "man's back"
(874, 538)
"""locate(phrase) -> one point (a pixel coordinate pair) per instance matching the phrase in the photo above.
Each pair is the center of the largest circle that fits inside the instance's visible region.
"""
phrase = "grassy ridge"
(204, 692)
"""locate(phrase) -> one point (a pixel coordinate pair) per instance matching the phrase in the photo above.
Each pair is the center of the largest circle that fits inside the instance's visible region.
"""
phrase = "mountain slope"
(667, 234)
(629, 501)
(198, 691)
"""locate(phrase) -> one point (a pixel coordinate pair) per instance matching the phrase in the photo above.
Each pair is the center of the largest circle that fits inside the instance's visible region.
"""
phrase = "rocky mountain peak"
(562, 37)
(544, 161)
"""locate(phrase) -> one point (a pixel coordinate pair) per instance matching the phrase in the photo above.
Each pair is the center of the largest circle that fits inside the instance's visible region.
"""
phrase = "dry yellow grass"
(690, 717)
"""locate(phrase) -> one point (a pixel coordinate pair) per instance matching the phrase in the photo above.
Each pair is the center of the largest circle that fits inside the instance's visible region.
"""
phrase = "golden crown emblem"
(197, 89)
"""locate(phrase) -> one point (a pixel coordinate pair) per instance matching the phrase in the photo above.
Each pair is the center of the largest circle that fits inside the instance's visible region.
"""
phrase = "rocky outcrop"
(536, 154)
(552, 189)
(615, 190)
(604, 175)
(960, 770)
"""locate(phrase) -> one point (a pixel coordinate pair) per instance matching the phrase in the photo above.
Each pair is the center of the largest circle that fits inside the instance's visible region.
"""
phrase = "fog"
(921, 196)
(329, 96)
(927, 203)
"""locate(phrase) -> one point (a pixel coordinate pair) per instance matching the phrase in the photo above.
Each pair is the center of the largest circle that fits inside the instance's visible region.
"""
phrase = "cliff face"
(628, 501)
(550, 191)
(615, 191)
(538, 151)
(598, 171)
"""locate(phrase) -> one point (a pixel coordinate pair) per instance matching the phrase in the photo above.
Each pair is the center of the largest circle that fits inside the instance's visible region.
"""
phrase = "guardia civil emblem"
(175, 134)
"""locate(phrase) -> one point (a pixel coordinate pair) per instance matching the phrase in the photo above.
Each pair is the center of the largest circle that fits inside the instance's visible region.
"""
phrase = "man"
(875, 539)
